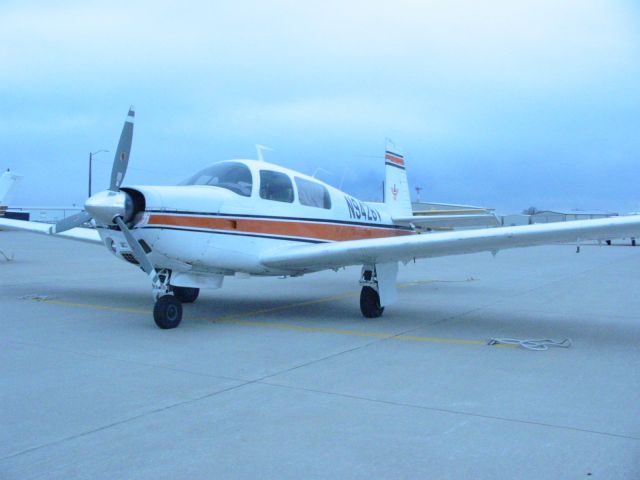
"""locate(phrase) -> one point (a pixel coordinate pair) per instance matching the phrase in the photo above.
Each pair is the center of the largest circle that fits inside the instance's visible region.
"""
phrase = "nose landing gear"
(167, 312)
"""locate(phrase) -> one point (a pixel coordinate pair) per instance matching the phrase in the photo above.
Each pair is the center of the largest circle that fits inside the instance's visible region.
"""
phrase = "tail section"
(7, 182)
(396, 187)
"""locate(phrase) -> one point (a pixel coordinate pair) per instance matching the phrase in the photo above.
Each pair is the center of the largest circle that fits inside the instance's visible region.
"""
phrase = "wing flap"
(309, 258)
(450, 221)
(88, 235)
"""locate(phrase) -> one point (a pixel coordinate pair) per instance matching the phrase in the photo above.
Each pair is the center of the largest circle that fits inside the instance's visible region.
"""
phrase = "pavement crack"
(453, 412)
(124, 421)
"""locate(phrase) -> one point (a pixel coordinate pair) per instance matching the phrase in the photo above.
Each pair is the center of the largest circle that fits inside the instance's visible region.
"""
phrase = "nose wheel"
(167, 312)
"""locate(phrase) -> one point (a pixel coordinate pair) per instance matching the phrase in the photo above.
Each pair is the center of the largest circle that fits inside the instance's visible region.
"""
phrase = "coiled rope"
(533, 344)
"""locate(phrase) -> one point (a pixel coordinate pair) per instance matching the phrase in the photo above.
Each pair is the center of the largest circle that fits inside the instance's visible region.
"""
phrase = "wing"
(450, 221)
(307, 258)
(88, 235)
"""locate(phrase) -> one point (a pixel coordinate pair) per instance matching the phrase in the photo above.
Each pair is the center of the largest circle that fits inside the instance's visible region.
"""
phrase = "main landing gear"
(167, 311)
(369, 297)
(186, 294)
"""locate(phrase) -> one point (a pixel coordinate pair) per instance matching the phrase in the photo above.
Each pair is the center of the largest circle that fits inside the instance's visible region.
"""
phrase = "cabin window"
(275, 186)
(312, 194)
(230, 175)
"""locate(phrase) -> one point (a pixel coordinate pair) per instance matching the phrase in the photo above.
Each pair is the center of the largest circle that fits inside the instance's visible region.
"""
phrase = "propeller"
(118, 171)
(121, 159)
(138, 251)
(114, 207)
(71, 222)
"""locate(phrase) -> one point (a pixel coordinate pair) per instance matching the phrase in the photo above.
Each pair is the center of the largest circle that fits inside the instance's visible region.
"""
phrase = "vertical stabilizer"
(396, 186)
(7, 182)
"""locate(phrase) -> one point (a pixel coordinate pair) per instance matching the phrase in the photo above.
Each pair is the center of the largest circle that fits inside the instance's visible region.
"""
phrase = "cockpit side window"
(230, 175)
(275, 186)
(312, 194)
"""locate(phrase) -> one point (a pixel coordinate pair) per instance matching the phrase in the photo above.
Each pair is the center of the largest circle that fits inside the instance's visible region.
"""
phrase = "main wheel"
(370, 303)
(186, 294)
(167, 312)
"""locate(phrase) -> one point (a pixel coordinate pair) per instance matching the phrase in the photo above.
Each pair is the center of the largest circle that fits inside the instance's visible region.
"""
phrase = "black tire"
(609, 242)
(633, 242)
(186, 294)
(370, 303)
(167, 312)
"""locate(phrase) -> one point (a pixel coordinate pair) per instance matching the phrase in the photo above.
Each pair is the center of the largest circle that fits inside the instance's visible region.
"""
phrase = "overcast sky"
(505, 104)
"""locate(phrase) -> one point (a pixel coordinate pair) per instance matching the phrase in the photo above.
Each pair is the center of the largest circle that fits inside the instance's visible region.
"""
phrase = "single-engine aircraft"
(250, 217)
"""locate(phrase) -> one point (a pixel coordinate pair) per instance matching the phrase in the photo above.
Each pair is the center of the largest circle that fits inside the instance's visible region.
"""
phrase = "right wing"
(309, 258)
(88, 235)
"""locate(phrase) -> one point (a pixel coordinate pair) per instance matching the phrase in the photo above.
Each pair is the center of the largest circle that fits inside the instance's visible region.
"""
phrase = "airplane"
(254, 218)
(8, 181)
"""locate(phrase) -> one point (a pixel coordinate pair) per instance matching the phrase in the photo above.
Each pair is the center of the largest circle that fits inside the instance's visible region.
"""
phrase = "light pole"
(91, 154)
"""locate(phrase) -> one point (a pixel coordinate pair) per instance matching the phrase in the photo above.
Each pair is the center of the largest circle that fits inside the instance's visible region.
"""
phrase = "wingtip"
(132, 111)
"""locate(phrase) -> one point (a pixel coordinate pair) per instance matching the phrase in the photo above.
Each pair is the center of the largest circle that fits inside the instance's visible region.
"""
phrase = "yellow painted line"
(238, 320)
(352, 333)
(97, 307)
(280, 308)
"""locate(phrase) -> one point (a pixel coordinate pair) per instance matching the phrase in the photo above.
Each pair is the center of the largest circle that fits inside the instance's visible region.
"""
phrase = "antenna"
(320, 169)
(344, 172)
(260, 149)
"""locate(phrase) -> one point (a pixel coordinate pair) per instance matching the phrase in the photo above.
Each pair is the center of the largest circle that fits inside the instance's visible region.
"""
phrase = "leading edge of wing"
(378, 250)
(88, 235)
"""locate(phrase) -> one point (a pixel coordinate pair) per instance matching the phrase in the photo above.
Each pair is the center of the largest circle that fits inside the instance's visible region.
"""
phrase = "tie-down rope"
(533, 344)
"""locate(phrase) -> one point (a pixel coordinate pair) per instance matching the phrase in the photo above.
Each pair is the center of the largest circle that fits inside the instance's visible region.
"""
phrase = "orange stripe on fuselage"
(319, 231)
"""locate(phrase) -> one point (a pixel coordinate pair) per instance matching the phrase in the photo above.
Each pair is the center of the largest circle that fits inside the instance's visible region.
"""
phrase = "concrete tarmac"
(271, 378)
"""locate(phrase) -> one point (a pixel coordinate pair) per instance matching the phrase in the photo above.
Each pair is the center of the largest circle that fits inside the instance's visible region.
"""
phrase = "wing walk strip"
(240, 319)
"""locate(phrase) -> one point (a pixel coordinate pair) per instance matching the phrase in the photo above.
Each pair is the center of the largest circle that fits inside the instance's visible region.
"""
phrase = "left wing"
(308, 258)
(88, 235)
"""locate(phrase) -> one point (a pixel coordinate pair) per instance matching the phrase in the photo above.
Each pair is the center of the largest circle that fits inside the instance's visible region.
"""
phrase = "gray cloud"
(495, 102)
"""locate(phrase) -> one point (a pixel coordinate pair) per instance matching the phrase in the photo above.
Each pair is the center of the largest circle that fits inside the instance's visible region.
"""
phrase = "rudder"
(396, 186)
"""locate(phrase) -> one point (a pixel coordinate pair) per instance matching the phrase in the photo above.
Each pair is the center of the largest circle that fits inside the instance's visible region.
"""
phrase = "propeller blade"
(138, 251)
(121, 159)
(71, 222)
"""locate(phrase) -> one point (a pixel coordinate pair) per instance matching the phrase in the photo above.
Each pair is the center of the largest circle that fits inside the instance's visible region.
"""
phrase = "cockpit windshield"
(230, 175)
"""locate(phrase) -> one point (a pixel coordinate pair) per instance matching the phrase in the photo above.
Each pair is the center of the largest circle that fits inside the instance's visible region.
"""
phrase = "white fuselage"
(213, 230)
